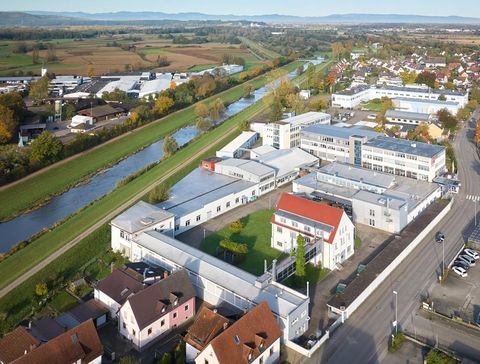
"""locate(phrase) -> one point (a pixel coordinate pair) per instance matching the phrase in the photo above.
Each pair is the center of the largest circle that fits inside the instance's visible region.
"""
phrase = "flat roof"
(426, 101)
(406, 146)
(264, 149)
(358, 174)
(380, 199)
(238, 142)
(353, 90)
(422, 90)
(285, 161)
(306, 118)
(153, 86)
(199, 188)
(140, 216)
(341, 133)
(407, 115)
(249, 166)
(281, 300)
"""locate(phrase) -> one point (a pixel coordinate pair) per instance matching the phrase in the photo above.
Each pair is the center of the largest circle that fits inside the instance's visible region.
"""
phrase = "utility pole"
(396, 317)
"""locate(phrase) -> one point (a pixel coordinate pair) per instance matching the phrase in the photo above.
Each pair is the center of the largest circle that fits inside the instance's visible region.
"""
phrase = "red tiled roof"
(16, 344)
(80, 343)
(250, 335)
(312, 210)
(207, 326)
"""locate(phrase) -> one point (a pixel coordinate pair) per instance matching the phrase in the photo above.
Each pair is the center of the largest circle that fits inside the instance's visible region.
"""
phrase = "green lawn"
(63, 301)
(312, 274)
(33, 191)
(373, 105)
(201, 67)
(256, 233)
(259, 49)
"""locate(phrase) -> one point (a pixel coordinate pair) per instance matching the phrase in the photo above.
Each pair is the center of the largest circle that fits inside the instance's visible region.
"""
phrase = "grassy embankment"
(259, 49)
(33, 191)
(17, 302)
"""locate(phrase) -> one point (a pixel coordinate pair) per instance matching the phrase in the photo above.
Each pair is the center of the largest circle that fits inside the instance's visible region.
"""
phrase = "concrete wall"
(398, 260)
(112, 305)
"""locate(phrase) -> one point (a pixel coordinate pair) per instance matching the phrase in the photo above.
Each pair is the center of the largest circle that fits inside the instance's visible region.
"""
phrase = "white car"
(372, 116)
(472, 253)
(460, 271)
(467, 258)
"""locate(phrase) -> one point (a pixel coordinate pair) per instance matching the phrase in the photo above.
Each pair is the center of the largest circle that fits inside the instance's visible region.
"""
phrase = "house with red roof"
(325, 228)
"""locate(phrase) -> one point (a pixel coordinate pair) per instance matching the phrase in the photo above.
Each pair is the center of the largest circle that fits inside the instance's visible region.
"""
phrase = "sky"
(255, 7)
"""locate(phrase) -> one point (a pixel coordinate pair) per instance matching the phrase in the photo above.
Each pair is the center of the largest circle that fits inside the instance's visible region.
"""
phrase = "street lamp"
(396, 318)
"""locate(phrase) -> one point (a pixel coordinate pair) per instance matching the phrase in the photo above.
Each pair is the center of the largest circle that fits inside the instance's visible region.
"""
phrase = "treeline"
(46, 34)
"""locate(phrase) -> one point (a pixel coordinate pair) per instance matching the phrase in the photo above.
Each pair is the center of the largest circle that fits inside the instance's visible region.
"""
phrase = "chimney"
(225, 325)
(274, 270)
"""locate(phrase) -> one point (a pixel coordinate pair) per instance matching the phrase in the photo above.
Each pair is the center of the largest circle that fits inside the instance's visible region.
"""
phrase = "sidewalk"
(323, 291)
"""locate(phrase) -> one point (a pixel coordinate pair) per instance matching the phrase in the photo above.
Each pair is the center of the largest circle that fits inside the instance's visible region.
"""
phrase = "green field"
(259, 49)
(32, 191)
(63, 301)
(256, 233)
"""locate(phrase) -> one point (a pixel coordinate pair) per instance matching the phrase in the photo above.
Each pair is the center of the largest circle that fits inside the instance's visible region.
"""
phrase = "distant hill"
(45, 18)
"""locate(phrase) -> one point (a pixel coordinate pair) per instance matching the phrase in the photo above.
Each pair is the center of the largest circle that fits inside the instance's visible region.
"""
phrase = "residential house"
(15, 344)
(80, 345)
(326, 229)
(207, 326)
(157, 309)
(253, 339)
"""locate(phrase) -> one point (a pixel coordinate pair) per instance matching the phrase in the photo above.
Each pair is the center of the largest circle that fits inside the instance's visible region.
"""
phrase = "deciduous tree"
(203, 124)
(170, 145)
(8, 125)
(46, 149)
(408, 78)
(201, 110)
(300, 257)
(39, 89)
(163, 104)
(41, 289)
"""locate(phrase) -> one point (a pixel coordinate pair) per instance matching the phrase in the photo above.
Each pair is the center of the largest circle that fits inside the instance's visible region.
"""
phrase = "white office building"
(407, 117)
(376, 199)
(237, 147)
(353, 97)
(285, 134)
(426, 106)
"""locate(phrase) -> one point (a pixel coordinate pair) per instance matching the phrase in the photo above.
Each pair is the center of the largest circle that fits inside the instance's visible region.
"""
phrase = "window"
(279, 243)
(228, 204)
(271, 351)
(218, 208)
(162, 323)
(372, 212)
(149, 331)
(133, 332)
(205, 362)
(124, 325)
(279, 229)
(186, 307)
(177, 227)
(253, 193)
(294, 224)
(122, 234)
(261, 360)
(174, 315)
(198, 217)
(237, 200)
(187, 223)
(371, 222)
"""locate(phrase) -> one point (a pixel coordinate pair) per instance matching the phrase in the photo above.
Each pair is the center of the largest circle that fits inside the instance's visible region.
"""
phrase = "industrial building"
(352, 98)
(426, 106)
(371, 150)
(217, 282)
(380, 200)
(407, 117)
(285, 134)
(237, 147)
(65, 84)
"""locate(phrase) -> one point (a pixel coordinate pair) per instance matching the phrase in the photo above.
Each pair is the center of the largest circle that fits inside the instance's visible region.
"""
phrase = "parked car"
(439, 237)
(372, 116)
(460, 271)
(460, 263)
(468, 259)
(472, 253)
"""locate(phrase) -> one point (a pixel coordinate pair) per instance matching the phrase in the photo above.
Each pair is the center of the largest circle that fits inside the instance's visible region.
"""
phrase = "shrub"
(232, 247)
(236, 227)
(396, 343)
(437, 357)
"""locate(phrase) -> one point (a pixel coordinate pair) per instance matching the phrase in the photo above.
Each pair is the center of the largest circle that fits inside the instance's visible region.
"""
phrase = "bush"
(232, 247)
(236, 227)
(396, 343)
(159, 194)
(437, 357)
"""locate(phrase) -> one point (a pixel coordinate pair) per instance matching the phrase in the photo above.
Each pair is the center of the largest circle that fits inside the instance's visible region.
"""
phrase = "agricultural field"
(461, 39)
(93, 56)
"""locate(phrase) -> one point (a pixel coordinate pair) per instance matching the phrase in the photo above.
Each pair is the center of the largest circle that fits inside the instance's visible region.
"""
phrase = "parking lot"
(459, 296)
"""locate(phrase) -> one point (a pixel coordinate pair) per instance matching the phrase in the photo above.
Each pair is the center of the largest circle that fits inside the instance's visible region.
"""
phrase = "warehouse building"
(237, 147)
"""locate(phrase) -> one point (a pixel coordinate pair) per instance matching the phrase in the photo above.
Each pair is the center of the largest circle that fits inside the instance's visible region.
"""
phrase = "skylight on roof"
(236, 339)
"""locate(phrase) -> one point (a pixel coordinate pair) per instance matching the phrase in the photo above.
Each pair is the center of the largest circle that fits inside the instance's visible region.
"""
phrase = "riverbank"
(56, 179)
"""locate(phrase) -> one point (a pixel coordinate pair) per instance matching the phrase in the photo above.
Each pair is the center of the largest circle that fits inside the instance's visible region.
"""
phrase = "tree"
(300, 257)
(299, 70)
(162, 61)
(51, 53)
(8, 125)
(166, 358)
(247, 90)
(115, 95)
(170, 145)
(41, 289)
(68, 111)
(426, 78)
(318, 105)
(408, 78)
(276, 109)
(201, 110)
(90, 71)
(46, 149)
(14, 101)
(35, 55)
(477, 133)
(205, 86)
(216, 109)
(173, 85)
(159, 194)
(310, 75)
(475, 94)
(435, 356)
(163, 104)
(442, 97)
(447, 120)
(244, 125)
(39, 89)
(203, 124)
(236, 227)
(180, 353)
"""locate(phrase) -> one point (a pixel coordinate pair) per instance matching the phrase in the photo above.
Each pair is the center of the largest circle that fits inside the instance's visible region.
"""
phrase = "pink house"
(157, 309)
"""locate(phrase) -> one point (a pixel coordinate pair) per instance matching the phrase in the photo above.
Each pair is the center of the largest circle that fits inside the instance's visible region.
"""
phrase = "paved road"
(364, 337)
(445, 333)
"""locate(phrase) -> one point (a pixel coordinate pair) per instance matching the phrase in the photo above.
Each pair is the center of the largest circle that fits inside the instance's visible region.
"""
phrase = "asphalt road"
(364, 337)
